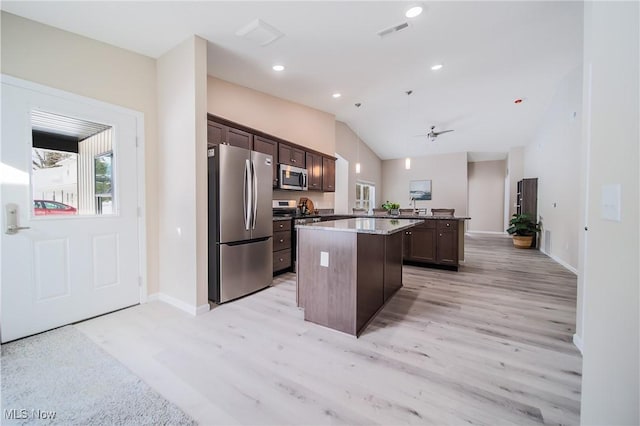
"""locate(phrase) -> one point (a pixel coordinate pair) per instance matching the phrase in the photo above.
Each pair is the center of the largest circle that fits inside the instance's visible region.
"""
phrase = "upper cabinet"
(220, 134)
(216, 133)
(328, 174)
(321, 170)
(267, 146)
(314, 171)
(291, 156)
(239, 138)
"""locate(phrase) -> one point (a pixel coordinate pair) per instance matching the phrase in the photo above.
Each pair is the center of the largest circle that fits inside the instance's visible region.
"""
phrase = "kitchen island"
(348, 269)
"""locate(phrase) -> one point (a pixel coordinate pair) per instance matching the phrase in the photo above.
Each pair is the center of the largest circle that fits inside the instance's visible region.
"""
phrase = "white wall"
(515, 172)
(448, 173)
(486, 195)
(353, 149)
(49, 56)
(182, 160)
(553, 156)
(610, 375)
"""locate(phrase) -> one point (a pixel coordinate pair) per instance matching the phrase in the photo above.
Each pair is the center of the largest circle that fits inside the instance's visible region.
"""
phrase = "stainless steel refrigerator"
(240, 222)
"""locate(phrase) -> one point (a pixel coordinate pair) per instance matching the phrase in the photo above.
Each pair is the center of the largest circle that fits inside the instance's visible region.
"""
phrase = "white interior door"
(65, 267)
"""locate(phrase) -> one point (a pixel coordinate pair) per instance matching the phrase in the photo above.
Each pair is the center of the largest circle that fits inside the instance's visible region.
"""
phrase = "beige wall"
(553, 156)
(486, 196)
(610, 375)
(182, 183)
(288, 120)
(353, 149)
(448, 174)
(62, 60)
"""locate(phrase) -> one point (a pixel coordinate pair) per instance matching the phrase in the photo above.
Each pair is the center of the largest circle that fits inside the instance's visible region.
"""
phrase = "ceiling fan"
(432, 135)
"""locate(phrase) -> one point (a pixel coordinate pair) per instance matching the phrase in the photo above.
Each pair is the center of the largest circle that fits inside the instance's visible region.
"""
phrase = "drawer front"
(281, 225)
(427, 224)
(281, 240)
(447, 224)
(281, 260)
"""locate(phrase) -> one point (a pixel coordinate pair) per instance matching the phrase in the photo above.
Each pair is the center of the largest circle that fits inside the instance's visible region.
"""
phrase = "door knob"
(12, 219)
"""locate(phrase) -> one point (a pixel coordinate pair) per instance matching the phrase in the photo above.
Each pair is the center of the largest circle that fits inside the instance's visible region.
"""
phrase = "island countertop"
(364, 225)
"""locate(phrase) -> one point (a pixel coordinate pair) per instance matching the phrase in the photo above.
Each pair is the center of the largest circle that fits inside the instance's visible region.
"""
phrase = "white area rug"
(62, 377)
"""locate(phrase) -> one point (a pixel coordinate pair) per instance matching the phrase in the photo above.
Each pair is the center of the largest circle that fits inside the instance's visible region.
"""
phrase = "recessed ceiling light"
(336, 95)
(278, 67)
(413, 12)
(436, 67)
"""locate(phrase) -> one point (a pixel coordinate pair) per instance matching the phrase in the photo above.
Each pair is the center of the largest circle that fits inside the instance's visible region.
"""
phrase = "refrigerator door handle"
(246, 196)
(254, 198)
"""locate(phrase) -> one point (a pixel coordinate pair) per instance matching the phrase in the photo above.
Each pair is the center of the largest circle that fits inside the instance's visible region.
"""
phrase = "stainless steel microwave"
(290, 177)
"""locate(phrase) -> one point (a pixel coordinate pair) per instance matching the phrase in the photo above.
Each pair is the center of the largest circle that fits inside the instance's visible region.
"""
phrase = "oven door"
(293, 178)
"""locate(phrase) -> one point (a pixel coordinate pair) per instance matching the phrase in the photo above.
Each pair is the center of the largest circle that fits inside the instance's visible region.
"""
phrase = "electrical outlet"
(610, 202)
(324, 259)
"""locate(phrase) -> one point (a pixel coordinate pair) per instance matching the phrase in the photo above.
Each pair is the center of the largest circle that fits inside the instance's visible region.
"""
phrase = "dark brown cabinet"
(239, 138)
(291, 156)
(433, 242)
(321, 169)
(216, 133)
(328, 174)
(447, 242)
(220, 134)
(527, 200)
(422, 247)
(270, 147)
(314, 170)
(282, 259)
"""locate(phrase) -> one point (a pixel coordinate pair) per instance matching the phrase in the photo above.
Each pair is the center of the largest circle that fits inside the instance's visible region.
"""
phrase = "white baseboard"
(176, 303)
(487, 232)
(561, 262)
(203, 309)
(577, 340)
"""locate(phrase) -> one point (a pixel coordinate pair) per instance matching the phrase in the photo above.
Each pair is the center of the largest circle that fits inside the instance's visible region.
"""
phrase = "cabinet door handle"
(448, 225)
(281, 260)
(281, 240)
(281, 226)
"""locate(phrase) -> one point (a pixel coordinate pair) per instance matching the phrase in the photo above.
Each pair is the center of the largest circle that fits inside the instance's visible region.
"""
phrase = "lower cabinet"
(282, 259)
(432, 242)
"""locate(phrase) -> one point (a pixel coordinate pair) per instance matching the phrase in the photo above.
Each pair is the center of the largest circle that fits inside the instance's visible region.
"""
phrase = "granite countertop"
(355, 216)
(277, 218)
(364, 225)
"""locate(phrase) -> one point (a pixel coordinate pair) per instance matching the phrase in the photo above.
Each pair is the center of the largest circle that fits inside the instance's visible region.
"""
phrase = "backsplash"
(321, 200)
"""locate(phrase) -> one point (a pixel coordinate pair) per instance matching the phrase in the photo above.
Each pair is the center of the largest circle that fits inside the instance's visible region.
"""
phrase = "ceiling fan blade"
(444, 131)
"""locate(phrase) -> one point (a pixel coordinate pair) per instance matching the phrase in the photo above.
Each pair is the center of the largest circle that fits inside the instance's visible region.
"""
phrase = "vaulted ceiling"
(492, 54)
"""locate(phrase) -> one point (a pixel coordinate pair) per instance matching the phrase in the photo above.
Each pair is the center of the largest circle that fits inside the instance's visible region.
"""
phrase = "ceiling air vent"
(392, 30)
(259, 32)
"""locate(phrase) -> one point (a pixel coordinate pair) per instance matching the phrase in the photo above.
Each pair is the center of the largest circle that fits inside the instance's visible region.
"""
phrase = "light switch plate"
(324, 259)
(611, 202)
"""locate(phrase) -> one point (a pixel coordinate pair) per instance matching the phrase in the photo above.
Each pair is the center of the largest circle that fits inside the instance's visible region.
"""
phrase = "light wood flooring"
(490, 344)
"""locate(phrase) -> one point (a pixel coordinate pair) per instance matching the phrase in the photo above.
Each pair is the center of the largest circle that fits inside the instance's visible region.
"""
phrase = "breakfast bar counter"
(348, 269)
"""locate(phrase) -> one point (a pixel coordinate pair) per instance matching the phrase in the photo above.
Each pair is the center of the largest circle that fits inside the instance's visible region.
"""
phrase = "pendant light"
(407, 161)
(357, 144)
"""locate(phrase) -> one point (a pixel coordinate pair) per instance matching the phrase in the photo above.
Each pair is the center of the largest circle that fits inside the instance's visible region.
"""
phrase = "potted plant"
(392, 208)
(523, 228)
